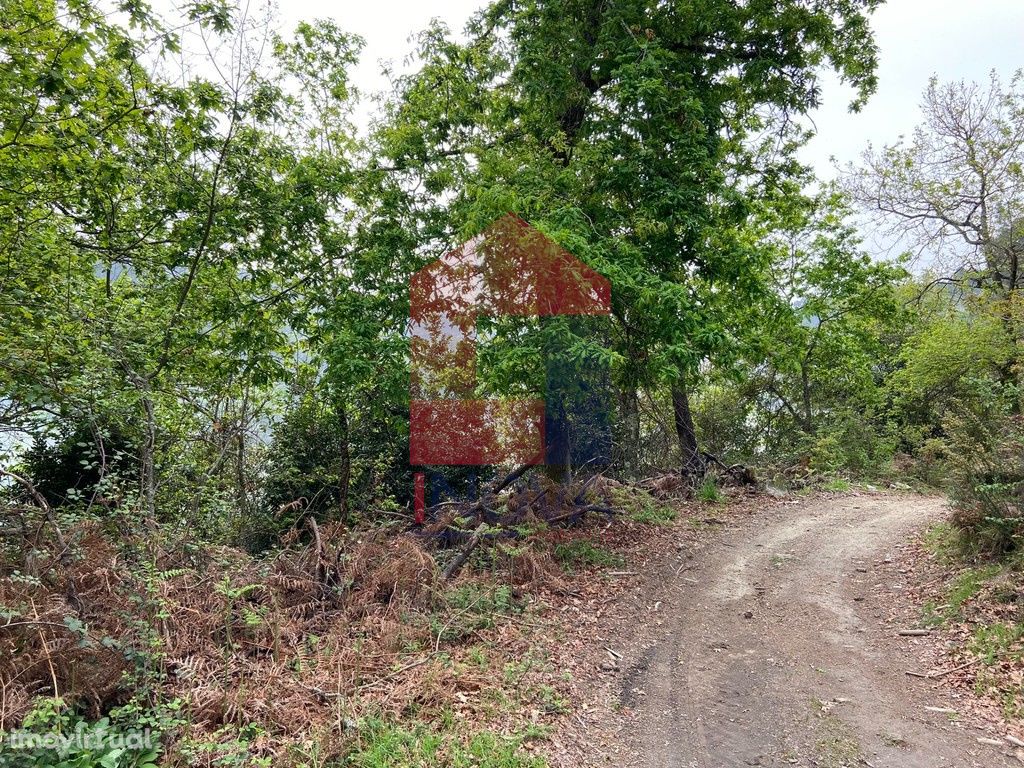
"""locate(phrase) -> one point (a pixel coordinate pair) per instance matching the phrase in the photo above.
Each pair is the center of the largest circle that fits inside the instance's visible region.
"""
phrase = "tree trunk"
(557, 453)
(692, 466)
(627, 448)
(558, 381)
(147, 459)
(345, 467)
(806, 416)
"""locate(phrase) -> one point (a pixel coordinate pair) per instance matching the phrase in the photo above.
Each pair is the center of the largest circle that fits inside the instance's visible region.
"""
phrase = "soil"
(772, 639)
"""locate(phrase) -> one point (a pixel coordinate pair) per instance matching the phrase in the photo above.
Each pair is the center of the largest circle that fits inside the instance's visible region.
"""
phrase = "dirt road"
(770, 647)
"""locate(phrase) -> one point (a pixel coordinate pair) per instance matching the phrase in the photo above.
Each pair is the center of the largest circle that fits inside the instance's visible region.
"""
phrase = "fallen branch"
(937, 675)
(511, 477)
(397, 672)
(580, 511)
(581, 496)
(739, 472)
(477, 506)
(463, 612)
(327, 695)
(463, 556)
(481, 532)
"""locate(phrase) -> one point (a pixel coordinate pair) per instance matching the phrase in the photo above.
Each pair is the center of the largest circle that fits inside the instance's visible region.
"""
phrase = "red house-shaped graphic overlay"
(510, 269)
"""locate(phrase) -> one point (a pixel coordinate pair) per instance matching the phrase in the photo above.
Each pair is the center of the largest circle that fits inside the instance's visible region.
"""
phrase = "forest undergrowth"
(345, 645)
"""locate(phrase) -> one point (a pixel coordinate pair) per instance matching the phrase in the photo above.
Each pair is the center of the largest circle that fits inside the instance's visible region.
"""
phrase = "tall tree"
(632, 133)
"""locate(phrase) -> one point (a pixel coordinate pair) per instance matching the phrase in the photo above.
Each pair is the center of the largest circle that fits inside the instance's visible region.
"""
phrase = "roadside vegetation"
(974, 600)
(206, 499)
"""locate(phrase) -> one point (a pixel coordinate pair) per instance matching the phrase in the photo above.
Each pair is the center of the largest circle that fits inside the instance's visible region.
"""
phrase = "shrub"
(86, 462)
(52, 735)
(721, 415)
(826, 454)
(986, 462)
(308, 446)
(932, 461)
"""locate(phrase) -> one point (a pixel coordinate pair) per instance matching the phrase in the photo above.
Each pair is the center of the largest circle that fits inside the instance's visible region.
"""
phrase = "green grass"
(967, 585)
(642, 506)
(551, 702)
(991, 583)
(655, 514)
(471, 608)
(963, 588)
(838, 484)
(944, 542)
(992, 642)
(932, 614)
(701, 523)
(709, 492)
(382, 744)
(477, 655)
(578, 555)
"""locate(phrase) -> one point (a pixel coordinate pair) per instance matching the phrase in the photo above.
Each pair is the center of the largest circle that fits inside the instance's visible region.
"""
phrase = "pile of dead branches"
(508, 507)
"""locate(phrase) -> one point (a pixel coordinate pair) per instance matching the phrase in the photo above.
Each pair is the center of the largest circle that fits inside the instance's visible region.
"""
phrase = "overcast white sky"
(954, 39)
